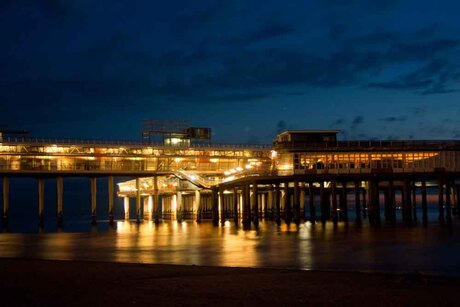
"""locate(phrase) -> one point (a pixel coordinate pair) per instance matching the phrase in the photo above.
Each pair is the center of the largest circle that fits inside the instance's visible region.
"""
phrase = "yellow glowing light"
(214, 160)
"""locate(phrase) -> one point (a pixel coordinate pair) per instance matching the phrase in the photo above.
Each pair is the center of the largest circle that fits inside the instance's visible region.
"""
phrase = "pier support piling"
(138, 201)
(343, 213)
(448, 203)
(215, 206)
(374, 203)
(110, 196)
(325, 209)
(156, 201)
(179, 207)
(277, 204)
(255, 203)
(41, 202)
(126, 207)
(296, 201)
(303, 210)
(6, 201)
(357, 203)
(407, 205)
(311, 196)
(441, 202)
(414, 201)
(458, 201)
(60, 194)
(335, 217)
(235, 206)
(424, 204)
(287, 204)
(198, 206)
(93, 200)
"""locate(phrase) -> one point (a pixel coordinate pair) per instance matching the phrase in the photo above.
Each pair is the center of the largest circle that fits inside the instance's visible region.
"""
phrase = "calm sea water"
(432, 250)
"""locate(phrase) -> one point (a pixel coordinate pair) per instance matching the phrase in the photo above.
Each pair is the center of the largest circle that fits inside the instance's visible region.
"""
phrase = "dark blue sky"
(374, 69)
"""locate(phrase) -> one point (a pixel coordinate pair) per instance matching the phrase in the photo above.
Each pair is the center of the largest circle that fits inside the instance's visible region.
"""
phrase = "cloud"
(392, 119)
(380, 5)
(355, 124)
(436, 77)
(271, 29)
(339, 122)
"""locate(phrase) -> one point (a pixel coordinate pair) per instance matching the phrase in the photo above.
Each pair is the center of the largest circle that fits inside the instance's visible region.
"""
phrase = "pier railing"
(100, 142)
(366, 145)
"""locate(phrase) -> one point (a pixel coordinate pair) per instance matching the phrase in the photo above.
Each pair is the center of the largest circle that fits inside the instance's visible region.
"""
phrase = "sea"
(433, 249)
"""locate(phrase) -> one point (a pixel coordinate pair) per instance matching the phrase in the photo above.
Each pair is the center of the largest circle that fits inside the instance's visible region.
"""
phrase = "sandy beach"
(27, 282)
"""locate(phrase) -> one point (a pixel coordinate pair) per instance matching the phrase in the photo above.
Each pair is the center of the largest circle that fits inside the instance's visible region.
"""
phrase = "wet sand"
(27, 282)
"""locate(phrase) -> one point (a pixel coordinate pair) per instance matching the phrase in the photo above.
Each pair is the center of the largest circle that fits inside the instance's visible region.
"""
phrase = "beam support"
(179, 207)
(296, 201)
(222, 206)
(198, 206)
(448, 203)
(156, 201)
(311, 196)
(277, 204)
(357, 203)
(215, 206)
(335, 217)
(41, 202)
(235, 206)
(6, 201)
(303, 208)
(60, 193)
(93, 200)
(441, 201)
(111, 200)
(255, 203)
(287, 204)
(407, 205)
(126, 207)
(424, 204)
(138, 200)
(343, 213)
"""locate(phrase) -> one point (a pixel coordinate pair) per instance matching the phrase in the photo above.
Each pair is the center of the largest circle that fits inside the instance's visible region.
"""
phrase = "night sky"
(384, 69)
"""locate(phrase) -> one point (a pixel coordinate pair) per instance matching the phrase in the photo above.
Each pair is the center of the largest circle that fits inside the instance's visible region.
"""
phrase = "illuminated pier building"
(304, 175)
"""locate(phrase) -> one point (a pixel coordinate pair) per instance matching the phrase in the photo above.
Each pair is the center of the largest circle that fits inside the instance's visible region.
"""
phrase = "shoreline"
(74, 282)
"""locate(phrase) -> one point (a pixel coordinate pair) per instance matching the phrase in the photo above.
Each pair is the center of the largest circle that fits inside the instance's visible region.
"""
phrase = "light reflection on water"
(345, 247)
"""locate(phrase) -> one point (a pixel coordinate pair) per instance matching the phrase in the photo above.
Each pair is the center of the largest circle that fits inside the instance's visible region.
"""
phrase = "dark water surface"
(434, 250)
(431, 250)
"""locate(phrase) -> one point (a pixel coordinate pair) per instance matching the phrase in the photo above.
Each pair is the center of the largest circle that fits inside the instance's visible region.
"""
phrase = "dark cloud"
(197, 20)
(338, 123)
(392, 119)
(281, 126)
(434, 78)
(355, 125)
(374, 38)
(380, 5)
(419, 111)
(271, 29)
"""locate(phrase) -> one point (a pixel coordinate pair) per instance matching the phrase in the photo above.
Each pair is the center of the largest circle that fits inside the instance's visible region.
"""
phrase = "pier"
(301, 174)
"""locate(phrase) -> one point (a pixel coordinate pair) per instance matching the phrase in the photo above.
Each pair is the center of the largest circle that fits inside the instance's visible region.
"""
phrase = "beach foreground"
(26, 282)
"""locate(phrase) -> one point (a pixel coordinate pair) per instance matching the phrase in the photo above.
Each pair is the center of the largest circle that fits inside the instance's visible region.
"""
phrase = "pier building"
(303, 175)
